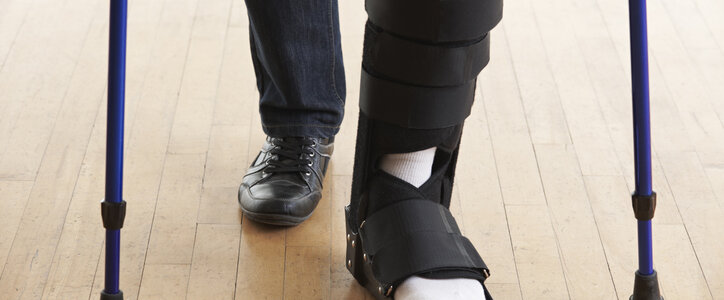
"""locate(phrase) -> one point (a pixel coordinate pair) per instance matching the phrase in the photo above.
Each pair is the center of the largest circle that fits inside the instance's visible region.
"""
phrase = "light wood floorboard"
(542, 188)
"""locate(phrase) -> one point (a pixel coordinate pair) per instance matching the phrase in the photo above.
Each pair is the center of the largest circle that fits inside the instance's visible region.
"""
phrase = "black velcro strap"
(416, 236)
(415, 107)
(425, 252)
(436, 20)
(433, 65)
(404, 218)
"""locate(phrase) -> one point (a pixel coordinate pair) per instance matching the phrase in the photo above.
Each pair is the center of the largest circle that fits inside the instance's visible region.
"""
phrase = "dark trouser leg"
(298, 62)
(421, 60)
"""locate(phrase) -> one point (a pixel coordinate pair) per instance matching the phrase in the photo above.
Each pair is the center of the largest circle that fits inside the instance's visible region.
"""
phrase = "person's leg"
(298, 62)
(421, 60)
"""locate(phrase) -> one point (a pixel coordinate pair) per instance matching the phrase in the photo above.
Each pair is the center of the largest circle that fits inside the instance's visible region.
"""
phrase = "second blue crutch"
(113, 207)
(646, 284)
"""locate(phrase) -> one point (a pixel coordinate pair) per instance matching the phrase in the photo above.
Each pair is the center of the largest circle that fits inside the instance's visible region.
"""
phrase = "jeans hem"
(307, 130)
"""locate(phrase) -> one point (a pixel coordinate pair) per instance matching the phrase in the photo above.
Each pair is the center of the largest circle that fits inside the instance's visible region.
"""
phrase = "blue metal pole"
(645, 248)
(114, 146)
(646, 285)
(642, 130)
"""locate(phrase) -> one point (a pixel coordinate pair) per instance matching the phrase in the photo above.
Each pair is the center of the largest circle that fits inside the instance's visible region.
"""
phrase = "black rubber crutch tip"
(105, 296)
(646, 287)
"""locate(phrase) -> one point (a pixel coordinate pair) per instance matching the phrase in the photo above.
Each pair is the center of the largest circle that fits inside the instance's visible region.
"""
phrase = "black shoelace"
(291, 155)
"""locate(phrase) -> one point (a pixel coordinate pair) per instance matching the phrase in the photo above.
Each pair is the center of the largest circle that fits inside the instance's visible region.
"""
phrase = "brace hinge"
(113, 214)
(644, 206)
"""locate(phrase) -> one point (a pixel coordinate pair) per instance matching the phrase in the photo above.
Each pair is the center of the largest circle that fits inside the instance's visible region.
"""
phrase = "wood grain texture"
(213, 266)
(542, 187)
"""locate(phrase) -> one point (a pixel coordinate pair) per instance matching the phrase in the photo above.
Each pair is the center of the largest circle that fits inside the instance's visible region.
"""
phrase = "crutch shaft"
(113, 208)
(646, 285)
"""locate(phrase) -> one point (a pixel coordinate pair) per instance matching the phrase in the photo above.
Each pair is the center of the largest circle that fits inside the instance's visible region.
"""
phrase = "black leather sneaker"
(284, 183)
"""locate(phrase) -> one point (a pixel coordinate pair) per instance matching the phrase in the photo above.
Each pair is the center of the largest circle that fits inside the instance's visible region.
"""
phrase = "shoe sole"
(274, 219)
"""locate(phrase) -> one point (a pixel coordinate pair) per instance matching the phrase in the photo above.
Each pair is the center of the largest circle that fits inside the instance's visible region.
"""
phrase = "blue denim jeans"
(295, 46)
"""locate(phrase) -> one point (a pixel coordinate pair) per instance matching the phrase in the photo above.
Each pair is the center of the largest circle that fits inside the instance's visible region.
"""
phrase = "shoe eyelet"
(311, 154)
(310, 164)
(307, 173)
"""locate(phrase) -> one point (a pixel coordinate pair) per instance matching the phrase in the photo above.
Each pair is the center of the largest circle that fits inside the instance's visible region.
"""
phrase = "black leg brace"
(421, 60)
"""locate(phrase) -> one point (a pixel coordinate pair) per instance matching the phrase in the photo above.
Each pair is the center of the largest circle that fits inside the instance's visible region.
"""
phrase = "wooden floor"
(543, 183)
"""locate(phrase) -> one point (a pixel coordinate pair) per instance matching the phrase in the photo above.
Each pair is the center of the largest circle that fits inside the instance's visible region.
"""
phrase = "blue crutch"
(113, 207)
(646, 284)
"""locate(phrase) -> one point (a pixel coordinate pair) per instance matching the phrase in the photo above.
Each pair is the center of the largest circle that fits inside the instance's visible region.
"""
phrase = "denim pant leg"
(297, 57)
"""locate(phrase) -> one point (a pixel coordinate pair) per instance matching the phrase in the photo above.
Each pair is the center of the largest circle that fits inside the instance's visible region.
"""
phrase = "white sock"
(419, 288)
(415, 168)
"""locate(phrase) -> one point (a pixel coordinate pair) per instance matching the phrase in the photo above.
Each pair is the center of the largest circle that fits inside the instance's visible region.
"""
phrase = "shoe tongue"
(296, 145)
(294, 139)
(287, 161)
(385, 189)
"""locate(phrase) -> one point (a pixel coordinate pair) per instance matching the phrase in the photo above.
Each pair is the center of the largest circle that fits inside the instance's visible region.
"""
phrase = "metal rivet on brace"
(381, 290)
(353, 243)
(349, 237)
(486, 273)
(364, 256)
(362, 224)
(349, 263)
(389, 291)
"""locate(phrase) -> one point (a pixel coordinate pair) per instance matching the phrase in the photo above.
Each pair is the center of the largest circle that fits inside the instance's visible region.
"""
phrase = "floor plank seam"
(163, 168)
(2, 271)
(17, 33)
(691, 242)
(238, 259)
(142, 87)
(191, 262)
(500, 189)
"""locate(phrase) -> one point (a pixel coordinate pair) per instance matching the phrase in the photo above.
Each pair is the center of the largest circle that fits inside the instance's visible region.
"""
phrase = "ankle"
(412, 167)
